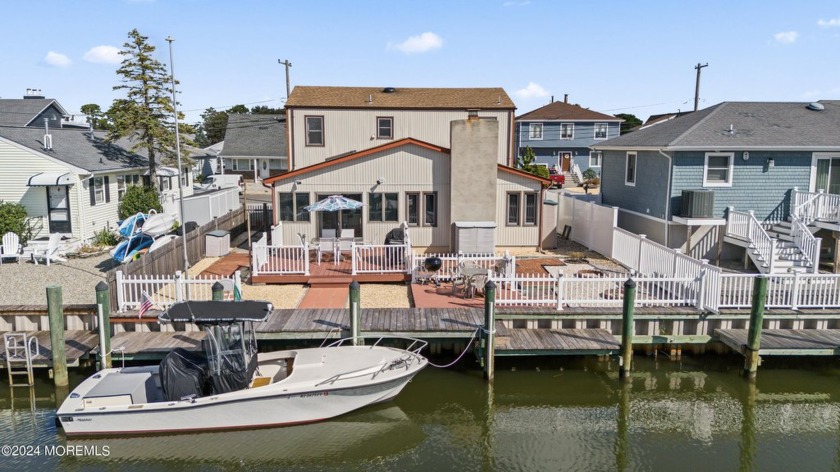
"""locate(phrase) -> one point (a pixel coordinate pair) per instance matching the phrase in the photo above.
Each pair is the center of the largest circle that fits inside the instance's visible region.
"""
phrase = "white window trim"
(635, 168)
(595, 131)
(542, 132)
(97, 189)
(572, 126)
(728, 183)
(600, 160)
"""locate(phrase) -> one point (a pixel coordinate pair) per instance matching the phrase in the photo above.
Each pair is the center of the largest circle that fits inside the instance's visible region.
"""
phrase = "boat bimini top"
(216, 312)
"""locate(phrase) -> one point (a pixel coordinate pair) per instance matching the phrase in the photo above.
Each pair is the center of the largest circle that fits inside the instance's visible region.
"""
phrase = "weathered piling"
(751, 358)
(489, 330)
(218, 292)
(103, 307)
(355, 313)
(627, 329)
(56, 317)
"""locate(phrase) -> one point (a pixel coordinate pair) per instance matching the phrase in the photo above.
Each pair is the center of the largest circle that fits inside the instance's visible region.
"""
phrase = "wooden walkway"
(153, 345)
(430, 323)
(785, 342)
(77, 345)
(542, 342)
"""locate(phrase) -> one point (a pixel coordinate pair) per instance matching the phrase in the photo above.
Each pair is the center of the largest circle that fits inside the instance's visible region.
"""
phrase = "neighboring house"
(329, 122)
(458, 198)
(744, 155)
(255, 143)
(69, 181)
(561, 135)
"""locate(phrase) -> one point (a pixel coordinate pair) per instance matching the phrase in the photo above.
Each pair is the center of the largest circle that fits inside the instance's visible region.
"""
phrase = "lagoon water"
(567, 414)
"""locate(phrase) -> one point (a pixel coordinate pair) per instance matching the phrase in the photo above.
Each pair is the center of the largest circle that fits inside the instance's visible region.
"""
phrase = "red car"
(556, 179)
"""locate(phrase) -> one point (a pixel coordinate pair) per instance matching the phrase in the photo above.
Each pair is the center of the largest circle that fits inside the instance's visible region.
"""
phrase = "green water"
(569, 414)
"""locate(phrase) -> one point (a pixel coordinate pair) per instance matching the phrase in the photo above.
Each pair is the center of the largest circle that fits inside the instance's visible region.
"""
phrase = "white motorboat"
(158, 224)
(233, 386)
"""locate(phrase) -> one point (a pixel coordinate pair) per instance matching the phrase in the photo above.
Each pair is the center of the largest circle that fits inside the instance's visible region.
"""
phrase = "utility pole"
(697, 84)
(287, 64)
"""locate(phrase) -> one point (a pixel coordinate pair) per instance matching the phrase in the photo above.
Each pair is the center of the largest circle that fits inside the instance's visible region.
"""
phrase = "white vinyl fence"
(451, 263)
(591, 224)
(165, 290)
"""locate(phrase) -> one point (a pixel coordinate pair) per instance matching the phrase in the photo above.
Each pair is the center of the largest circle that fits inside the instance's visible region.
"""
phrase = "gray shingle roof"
(19, 111)
(255, 136)
(753, 125)
(76, 148)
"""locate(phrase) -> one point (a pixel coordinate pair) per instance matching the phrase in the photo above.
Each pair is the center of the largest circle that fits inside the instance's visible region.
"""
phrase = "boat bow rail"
(409, 356)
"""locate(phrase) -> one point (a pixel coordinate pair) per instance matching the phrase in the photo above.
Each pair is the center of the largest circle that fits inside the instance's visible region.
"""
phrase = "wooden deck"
(335, 323)
(542, 342)
(327, 270)
(785, 342)
(77, 345)
(153, 345)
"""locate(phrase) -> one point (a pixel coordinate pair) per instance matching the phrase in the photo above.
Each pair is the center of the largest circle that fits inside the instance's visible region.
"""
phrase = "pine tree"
(144, 116)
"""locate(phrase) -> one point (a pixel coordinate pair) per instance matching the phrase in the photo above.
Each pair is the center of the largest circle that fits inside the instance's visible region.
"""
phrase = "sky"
(610, 56)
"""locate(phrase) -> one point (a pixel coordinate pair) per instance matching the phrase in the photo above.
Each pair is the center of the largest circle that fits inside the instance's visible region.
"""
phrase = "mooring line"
(459, 357)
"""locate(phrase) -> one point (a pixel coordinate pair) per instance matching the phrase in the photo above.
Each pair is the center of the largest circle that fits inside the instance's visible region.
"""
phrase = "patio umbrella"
(334, 203)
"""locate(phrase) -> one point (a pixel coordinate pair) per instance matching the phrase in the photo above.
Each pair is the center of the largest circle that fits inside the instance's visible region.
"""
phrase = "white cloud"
(516, 4)
(103, 55)
(417, 44)
(533, 90)
(56, 59)
(832, 23)
(786, 37)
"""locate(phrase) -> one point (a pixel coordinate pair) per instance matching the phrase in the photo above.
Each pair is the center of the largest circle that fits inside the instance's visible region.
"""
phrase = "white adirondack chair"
(50, 253)
(10, 248)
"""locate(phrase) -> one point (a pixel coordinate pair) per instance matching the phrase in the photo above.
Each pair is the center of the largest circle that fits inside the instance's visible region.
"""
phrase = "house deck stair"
(787, 258)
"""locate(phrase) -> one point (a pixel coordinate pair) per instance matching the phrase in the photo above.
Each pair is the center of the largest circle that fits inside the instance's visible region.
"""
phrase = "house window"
(385, 127)
(600, 131)
(718, 169)
(595, 158)
(383, 207)
(292, 205)
(424, 204)
(513, 209)
(535, 131)
(98, 190)
(243, 164)
(530, 209)
(630, 169)
(183, 178)
(567, 131)
(125, 181)
(314, 130)
(164, 183)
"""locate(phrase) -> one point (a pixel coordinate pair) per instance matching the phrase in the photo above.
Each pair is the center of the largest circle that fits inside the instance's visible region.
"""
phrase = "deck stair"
(779, 242)
(20, 349)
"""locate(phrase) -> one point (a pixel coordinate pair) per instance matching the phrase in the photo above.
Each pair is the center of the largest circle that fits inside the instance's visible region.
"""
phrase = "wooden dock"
(77, 346)
(139, 346)
(785, 342)
(553, 342)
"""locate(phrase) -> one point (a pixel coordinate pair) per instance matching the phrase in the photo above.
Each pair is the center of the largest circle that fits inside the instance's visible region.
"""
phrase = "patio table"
(469, 274)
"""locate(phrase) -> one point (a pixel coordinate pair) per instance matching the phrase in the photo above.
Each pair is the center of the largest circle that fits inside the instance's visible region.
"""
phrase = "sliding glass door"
(828, 175)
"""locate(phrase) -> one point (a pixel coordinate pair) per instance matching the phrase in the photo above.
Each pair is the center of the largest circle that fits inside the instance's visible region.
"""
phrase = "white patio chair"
(325, 246)
(11, 247)
(348, 233)
(328, 233)
(345, 245)
(50, 253)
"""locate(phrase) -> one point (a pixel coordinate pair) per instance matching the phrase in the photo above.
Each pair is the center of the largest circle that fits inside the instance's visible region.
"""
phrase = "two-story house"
(561, 135)
(438, 159)
(255, 145)
(69, 179)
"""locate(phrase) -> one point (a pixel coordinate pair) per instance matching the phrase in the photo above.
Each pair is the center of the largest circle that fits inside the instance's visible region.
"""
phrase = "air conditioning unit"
(698, 204)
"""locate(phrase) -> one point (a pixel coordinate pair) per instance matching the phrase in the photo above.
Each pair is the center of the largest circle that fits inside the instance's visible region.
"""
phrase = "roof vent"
(389, 90)
(815, 106)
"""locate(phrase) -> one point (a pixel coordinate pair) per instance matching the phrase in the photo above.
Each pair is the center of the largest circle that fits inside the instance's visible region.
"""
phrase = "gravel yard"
(25, 283)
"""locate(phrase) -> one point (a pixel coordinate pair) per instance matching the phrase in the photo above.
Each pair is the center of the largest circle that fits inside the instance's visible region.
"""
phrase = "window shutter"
(107, 190)
(92, 187)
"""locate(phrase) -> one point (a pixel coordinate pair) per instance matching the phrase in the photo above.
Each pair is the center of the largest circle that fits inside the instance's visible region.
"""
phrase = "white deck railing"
(807, 243)
(783, 291)
(165, 290)
(451, 262)
(746, 226)
(811, 206)
(389, 258)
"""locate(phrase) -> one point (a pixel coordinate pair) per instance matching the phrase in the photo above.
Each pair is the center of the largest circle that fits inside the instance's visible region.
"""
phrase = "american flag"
(145, 303)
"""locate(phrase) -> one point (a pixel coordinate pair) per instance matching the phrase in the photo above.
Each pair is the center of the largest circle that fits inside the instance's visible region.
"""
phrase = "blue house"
(748, 175)
(561, 135)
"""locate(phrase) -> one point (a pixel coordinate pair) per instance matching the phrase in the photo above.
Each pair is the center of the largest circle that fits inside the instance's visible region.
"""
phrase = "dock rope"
(462, 353)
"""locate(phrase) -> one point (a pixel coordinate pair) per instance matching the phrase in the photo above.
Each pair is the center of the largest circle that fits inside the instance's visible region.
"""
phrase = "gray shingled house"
(255, 145)
(685, 182)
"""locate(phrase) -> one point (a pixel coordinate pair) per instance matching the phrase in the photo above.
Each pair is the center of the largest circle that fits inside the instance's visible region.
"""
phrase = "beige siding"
(407, 169)
(17, 165)
(513, 236)
(355, 130)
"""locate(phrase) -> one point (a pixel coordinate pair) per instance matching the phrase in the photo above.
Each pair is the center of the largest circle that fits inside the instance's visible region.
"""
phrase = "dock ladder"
(20, 349)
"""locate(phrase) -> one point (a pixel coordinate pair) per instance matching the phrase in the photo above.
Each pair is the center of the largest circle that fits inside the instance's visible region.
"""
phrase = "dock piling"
(355, 313)
(218, 292)
(56, 318)
(751, 358)
(103, 307)
(489, 330)
(627, 329)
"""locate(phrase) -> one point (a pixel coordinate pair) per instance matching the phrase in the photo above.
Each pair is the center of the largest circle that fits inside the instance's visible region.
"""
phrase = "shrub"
(13, 218)
(590, 174)
(139, 199)
(104, 237)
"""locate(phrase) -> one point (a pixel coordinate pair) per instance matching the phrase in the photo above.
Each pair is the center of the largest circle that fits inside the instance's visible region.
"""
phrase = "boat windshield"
(231, 355)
